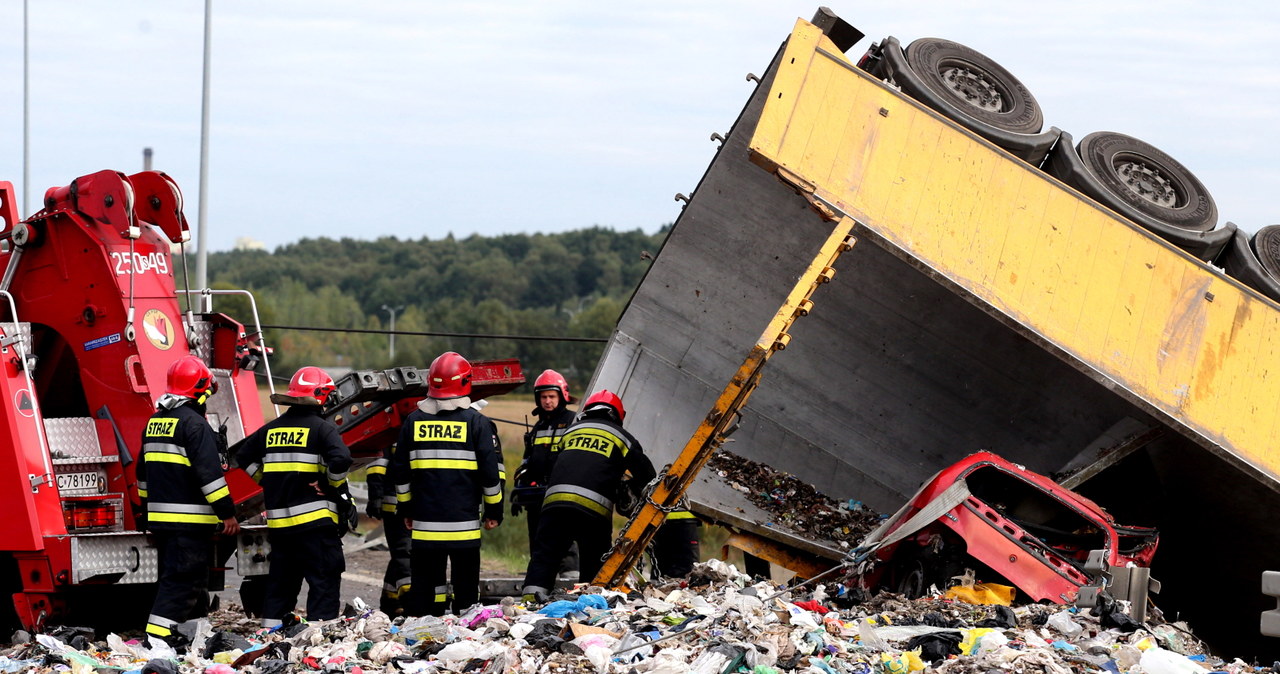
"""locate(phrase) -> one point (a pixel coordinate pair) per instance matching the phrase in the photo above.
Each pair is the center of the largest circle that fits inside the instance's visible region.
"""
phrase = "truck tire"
(1266, 245)
(911, 581)
(1148, 180)
(975, 84)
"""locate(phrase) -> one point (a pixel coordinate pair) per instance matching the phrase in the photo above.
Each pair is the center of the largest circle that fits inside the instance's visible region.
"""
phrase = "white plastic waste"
(1157, 660)
(1066, 624)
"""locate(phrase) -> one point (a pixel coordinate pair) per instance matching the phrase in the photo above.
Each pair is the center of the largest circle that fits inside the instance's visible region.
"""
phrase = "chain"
(681, 504)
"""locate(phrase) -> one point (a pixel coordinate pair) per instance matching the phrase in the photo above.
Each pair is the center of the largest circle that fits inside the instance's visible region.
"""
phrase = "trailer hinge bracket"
(795, 181)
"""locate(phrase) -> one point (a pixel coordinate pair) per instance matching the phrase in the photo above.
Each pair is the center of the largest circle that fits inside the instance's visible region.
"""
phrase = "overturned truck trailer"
(985, 306)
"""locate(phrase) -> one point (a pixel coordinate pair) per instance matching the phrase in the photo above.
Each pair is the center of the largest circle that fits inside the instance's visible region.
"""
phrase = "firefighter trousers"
(558, 529)
(184, 560)
(429, 592)
(569, 562)
(396, 582)
(676, 547)
(314, 555)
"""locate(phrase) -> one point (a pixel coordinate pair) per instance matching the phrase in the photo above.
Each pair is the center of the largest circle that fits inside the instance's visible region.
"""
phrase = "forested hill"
(569, 284)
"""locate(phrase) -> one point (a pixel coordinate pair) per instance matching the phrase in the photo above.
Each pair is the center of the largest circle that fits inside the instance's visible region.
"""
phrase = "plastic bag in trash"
(159, 666)
(935, 647)
(908, 661)
(425, 628)
(11, 666)
(983, 593)
(224, 641)
(560, 609)
(1066, 624)
(973, 639)
(1004, 618)
(273, 666)
(1159, 661)
(546, 635)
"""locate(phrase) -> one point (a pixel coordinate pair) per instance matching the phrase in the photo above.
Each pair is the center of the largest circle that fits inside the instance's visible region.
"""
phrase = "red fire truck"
(89, 322)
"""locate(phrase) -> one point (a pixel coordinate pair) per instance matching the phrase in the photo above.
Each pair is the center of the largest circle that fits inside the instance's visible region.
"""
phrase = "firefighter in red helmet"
(448, 483)
(541, 445)
(595, 453)
(301, 462)
(184, 493)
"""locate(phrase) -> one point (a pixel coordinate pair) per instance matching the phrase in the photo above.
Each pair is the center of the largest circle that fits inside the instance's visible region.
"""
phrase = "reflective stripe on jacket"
(594, 454)
(445, 469)
(180, 476)
(301, 462)
(542, 444)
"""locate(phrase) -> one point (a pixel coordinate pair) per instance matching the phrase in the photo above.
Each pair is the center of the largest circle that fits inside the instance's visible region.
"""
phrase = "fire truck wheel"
(975, 84)
(1148, 180)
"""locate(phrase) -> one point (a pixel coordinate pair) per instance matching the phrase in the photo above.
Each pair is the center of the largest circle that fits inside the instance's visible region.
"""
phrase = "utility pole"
(26, 121)
(202, 238)
(392, 336)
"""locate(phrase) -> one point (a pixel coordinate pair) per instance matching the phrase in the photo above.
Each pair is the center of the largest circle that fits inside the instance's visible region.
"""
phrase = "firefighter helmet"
(190, 377)
(313, 382)
(550, 380)
(449, 376)
(605, 398)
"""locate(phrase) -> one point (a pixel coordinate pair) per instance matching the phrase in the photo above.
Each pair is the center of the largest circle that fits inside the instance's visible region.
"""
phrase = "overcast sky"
(418, 118)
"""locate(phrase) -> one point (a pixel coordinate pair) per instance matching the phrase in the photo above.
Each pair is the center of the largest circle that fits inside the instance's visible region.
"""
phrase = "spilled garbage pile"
(718, 622)
(794, 503)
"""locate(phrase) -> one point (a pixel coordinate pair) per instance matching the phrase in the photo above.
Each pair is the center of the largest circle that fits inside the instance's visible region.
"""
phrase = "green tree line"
(571, 284)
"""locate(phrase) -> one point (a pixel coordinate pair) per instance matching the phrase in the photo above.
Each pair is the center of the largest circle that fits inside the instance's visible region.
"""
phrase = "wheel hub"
(1146, 181)
(974, 88)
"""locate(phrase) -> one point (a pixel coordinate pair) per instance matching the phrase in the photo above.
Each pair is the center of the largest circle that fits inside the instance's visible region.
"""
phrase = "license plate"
(77, 481)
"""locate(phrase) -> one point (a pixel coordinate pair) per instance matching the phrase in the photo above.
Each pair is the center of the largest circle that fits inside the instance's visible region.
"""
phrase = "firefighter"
(676, 546)
(184, 494)
(595, 453)
(382, 506)
(301, 462)
(541, 443)
(445, 469)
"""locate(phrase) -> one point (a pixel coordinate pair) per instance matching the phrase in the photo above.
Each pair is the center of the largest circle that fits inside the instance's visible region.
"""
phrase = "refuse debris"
(794, 503)
(720, 627)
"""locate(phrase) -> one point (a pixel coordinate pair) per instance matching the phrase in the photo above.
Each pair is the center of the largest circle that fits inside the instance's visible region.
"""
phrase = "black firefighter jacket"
(594, 454)
(541, 444)
(301, 462)
(180, 474)
(444, 467)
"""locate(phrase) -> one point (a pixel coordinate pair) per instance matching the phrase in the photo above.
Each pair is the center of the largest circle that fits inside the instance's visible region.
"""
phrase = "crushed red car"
(1009, 525)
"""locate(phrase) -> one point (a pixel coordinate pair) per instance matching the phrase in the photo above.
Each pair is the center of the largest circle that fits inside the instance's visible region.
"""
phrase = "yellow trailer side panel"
(1187, 342)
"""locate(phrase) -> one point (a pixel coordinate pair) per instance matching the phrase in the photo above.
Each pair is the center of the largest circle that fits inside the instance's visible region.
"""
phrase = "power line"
(474, 335)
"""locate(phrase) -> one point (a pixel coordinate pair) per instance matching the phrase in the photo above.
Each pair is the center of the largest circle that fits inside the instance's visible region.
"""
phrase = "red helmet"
(550, 380)
(605, 398)
(449, 376)
(190, 377)
(313, 382)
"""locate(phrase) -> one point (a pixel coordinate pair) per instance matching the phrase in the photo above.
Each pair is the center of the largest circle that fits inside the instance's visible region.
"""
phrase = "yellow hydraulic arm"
(631, 544)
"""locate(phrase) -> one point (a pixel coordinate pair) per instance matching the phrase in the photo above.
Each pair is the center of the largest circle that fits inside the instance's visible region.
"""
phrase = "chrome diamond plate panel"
(72, 437)
(109, 554)
(26, 334)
